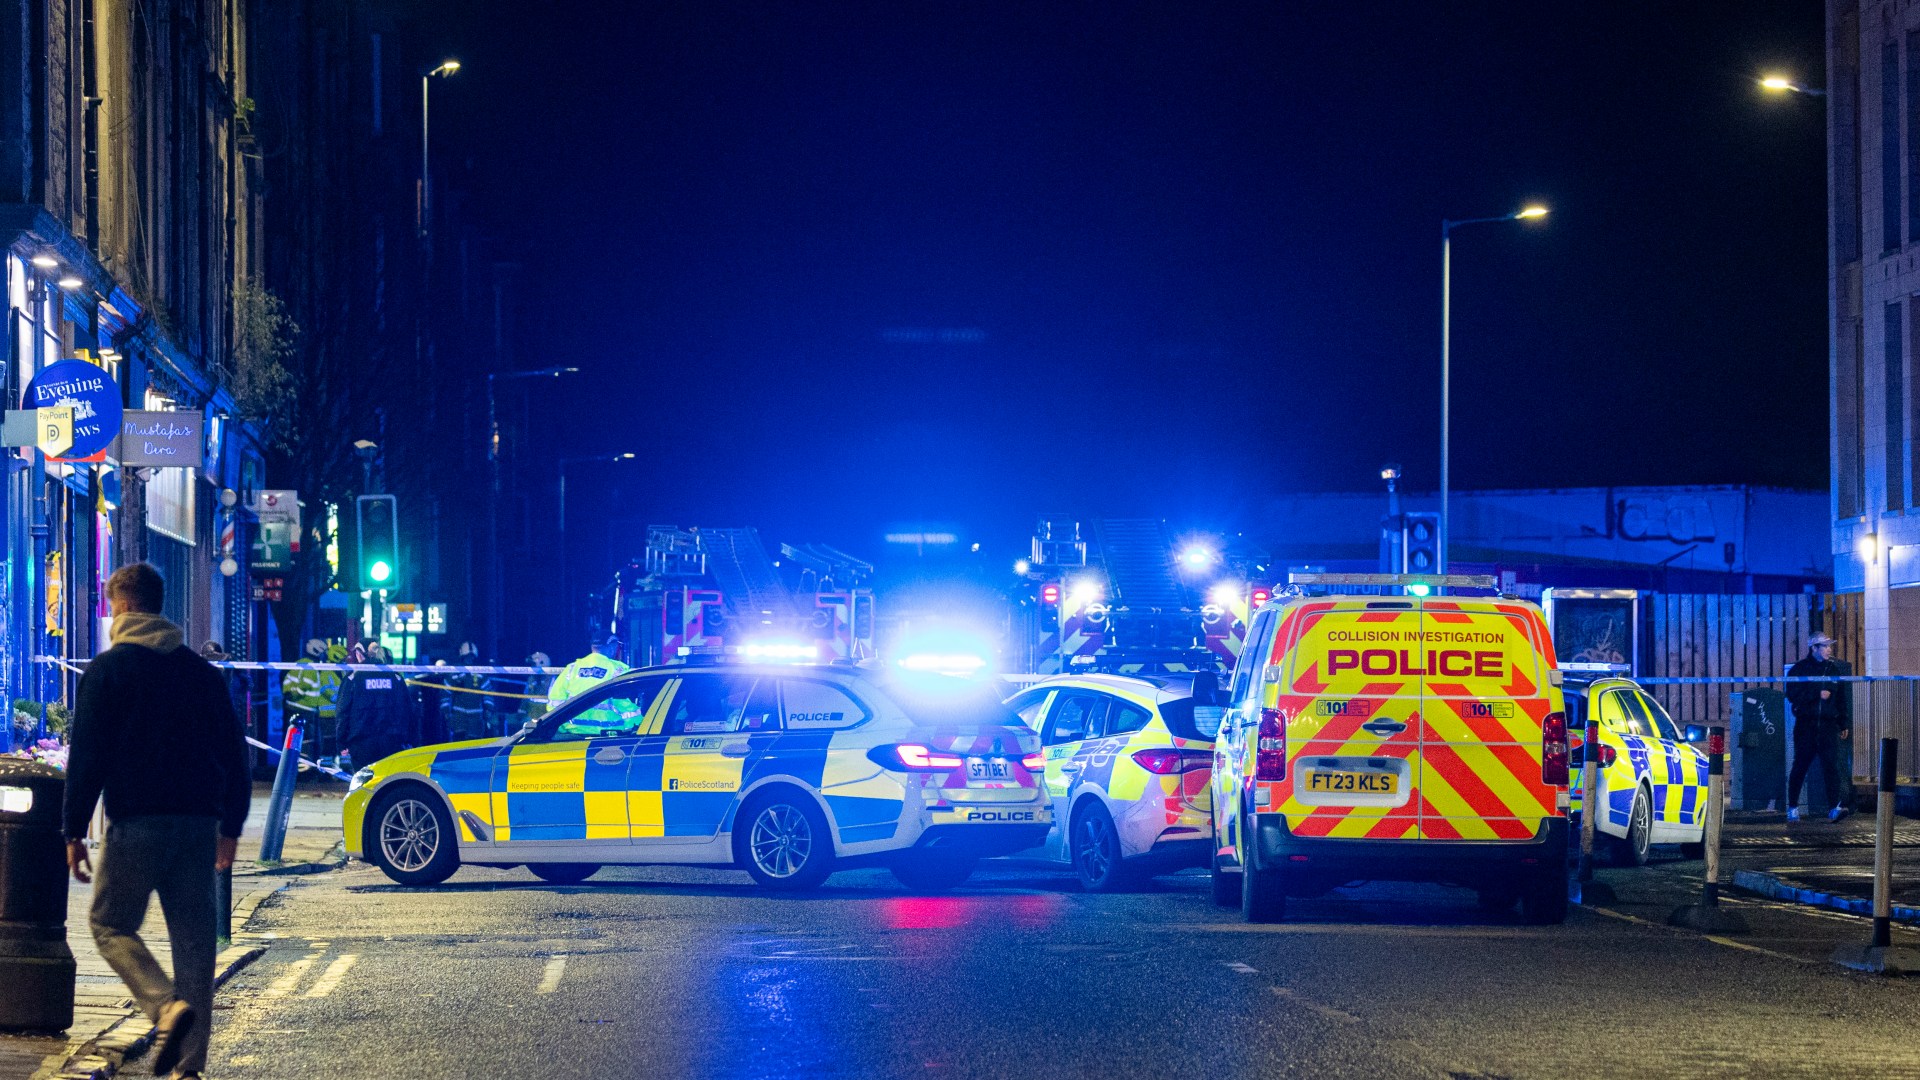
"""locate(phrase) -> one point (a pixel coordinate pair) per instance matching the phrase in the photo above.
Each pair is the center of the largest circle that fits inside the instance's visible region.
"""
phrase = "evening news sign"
(92, 395)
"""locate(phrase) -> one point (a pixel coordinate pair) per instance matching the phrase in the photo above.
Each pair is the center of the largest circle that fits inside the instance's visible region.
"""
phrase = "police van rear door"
(1352, 721)
(1486, 690)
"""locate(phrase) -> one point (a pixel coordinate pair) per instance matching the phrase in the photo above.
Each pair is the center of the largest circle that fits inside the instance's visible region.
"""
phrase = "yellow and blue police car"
(1128, 760)
(787, 772)
(1652, 779)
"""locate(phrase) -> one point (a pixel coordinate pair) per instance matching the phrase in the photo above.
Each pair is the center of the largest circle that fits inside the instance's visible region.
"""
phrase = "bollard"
(1708, 915)
(280, 806)
(1589, 890)
(1881, 956)
(36, 966)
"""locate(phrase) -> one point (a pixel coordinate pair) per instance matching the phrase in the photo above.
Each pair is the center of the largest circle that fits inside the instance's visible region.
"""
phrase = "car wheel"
(1263, 890)
(933, 871)
(1637, 847)
(782, 840)
(1544, 901)
(564, 873)
(412, 839)
(1095, 849)
(1226, 886)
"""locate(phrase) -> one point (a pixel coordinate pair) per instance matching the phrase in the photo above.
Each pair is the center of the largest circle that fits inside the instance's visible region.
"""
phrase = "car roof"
(1165, 687)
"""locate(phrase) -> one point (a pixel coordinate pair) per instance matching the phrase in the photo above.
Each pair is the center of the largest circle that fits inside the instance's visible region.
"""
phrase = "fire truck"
(708, 588)
(1128, 595)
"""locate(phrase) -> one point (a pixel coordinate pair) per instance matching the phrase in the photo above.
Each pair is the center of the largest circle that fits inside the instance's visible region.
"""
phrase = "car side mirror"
(1696, 733)
(1206, 689)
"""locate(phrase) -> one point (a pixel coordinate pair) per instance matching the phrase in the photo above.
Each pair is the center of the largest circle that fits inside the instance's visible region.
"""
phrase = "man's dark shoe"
(170, 1035)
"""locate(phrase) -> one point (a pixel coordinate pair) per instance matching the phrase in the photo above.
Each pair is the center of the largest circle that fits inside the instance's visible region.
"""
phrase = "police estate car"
(1651, 778)
(786, 772)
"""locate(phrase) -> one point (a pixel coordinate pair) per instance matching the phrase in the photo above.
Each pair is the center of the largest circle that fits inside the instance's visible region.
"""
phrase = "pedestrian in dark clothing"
(433, 704)
(378, 715)
(1822, 726)
(155, 734)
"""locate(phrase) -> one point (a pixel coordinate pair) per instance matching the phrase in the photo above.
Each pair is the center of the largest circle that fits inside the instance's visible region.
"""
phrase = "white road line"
(296, 971)
(550, 978)
(1309, 1004)
(1717, 940)
(331, 977)
(1240, 967)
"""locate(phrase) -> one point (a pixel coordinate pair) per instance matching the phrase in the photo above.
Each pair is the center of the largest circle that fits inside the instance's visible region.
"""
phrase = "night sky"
(834, 267)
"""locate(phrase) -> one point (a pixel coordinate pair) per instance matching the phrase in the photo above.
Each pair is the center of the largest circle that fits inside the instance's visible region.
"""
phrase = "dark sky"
(1192, 250)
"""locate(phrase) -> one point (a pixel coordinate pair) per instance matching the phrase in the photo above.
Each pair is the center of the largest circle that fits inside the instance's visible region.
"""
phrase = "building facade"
(129, 196)
(1873, 135)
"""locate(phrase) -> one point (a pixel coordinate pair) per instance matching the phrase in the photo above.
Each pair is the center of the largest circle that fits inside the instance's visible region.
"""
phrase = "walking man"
(1822, 726)
(155, 734)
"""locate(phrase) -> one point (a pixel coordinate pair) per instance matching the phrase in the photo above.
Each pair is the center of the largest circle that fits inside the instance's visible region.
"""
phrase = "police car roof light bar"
(1449, 581)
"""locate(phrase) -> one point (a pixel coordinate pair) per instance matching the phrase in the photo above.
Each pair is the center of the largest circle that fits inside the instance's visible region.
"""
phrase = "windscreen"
(945, 702)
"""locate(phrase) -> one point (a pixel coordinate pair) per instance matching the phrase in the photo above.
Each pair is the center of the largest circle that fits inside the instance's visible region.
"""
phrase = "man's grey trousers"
(173, 856)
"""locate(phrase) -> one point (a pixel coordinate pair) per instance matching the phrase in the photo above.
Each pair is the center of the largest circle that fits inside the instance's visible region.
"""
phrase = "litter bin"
(1763, 750)
(36, 967)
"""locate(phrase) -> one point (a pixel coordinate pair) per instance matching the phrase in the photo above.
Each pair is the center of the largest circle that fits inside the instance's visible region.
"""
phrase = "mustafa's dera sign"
(153, 438)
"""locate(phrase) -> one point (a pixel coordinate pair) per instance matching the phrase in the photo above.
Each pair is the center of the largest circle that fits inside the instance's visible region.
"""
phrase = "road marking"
(1716, 939)
(296, 971)
(331, 977)
(550, 978)
(1311, 1005)
(1240, 967)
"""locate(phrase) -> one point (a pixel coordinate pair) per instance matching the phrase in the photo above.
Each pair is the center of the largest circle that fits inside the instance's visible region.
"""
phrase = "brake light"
(912, 757)
(1554, 754)
(1608, 755)
(1167, 761)
(1270, 752)
(1034, 762)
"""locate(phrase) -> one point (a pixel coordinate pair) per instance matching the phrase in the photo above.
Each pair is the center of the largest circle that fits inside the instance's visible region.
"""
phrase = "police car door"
(1077, 719)
(564, 782)
(1677, 772)
(696, 766)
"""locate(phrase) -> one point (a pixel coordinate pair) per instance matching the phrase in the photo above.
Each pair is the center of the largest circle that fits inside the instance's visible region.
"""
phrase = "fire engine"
(707, 588)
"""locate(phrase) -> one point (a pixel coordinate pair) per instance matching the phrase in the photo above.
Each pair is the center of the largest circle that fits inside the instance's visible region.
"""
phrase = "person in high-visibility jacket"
(596, 667)
(314, 695)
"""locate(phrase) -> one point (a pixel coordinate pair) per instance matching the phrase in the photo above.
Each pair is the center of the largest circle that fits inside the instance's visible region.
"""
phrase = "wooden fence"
(1734, 635)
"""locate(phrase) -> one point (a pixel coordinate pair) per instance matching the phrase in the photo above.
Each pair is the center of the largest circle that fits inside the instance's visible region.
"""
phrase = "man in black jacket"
(155, 734)
(378, 716)
(1822, 725)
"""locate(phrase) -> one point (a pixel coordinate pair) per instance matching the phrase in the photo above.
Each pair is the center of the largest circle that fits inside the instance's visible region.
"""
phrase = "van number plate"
(989, 770)
(1360, 783)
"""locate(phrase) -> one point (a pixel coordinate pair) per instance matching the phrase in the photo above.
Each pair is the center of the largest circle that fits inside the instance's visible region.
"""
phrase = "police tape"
(305, 762)
(473, 690)
(74, 664)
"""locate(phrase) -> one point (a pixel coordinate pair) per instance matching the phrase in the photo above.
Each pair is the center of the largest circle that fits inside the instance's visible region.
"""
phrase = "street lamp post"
(447, 67)
(1446, 360)
(494, 601)
(566, 586)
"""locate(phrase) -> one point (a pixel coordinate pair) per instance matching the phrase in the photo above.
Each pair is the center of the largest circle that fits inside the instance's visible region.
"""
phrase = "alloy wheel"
(1093, 848)
(409, 835)
(781, 840)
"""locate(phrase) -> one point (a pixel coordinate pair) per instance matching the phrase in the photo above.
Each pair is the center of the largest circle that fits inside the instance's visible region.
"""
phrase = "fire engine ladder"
(740, 566)
(1138, 556)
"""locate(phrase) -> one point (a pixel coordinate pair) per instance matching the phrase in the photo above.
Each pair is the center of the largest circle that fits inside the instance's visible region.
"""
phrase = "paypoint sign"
(92, 395)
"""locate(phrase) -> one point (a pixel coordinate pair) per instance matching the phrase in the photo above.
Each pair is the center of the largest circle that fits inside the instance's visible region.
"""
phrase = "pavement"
(107, 1029)
(1820, 863)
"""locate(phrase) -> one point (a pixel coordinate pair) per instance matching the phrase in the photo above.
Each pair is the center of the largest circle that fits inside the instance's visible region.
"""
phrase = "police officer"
(313, 695)
(534, 705)
(466, 711)
(590, 670)
(378, 715)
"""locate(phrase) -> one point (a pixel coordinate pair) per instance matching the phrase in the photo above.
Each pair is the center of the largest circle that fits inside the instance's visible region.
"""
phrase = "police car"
(1651, 778)
(786, 772)
(1127, 762)
(1388, 737)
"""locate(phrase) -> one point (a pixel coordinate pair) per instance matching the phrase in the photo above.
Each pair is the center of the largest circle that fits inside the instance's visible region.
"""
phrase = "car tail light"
(913, 757)
(1167, 761)
(1553, 750)
(1034, 762)
(1270, 753)
(1608, 755)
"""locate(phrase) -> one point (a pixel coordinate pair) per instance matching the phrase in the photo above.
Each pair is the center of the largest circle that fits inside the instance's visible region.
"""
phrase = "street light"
(566, 588)
(1526, 213)
(493, 495)
(1780, 84)
(447, 67)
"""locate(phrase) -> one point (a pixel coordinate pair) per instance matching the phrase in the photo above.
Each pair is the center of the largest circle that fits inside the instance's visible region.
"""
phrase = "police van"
(1393, 737)
(788, 772)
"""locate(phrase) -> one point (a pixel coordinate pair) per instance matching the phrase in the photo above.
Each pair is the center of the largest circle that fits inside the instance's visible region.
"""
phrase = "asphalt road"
(652, 972)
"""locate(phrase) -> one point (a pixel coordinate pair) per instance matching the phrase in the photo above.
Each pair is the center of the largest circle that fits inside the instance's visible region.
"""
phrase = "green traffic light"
(380, 571)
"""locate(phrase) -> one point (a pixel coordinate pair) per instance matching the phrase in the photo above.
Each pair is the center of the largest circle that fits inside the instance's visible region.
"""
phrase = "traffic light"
(1261, 594)
(862, 617)
(1050, 593)
(377, 542)
(1420, 543)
